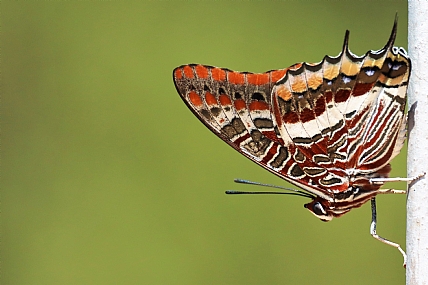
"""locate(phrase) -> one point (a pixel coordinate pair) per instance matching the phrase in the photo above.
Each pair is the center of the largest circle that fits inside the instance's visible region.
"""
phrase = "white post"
(417, 159)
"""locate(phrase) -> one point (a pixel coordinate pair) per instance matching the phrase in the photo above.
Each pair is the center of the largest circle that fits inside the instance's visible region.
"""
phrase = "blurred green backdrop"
(107, 178)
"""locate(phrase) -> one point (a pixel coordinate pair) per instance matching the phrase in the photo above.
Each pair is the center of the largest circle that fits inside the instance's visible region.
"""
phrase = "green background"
(107, 177)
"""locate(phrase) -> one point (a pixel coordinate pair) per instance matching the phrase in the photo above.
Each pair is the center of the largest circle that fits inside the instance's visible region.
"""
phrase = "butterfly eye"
(318, 209)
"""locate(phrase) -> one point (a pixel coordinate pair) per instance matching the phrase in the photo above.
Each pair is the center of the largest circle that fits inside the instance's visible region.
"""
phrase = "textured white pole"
(417, 159)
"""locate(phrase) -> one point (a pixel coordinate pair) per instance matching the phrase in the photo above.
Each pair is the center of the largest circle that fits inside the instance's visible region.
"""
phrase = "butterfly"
(331, 128)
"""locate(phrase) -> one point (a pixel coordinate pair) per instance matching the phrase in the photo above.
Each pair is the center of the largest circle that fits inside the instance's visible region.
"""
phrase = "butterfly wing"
(380, 137)
(346, 115)
(237, 107)
(319, 126)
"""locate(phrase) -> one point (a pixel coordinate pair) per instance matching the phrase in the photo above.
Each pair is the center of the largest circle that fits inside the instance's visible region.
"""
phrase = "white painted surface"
(417, 160)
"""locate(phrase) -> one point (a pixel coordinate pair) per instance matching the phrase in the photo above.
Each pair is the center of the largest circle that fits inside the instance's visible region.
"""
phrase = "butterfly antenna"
(292, 191)
(243, 181)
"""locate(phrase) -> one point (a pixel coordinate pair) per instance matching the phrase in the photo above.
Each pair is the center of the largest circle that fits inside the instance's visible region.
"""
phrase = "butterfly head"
(324, 210)
(320, 208)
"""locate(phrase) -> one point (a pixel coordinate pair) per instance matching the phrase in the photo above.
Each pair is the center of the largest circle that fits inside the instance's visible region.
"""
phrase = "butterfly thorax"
(361, 189)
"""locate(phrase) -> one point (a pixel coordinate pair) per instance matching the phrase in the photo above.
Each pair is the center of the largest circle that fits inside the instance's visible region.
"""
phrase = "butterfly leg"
(391, 191)
(396, 179)
(379, 238)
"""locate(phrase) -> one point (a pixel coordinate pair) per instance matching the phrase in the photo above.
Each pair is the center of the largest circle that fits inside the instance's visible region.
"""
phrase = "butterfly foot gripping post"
(381, 239)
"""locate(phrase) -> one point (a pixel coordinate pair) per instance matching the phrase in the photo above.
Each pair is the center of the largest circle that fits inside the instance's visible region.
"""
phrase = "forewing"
(237, 107)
